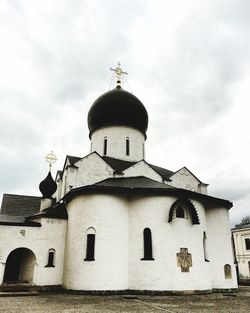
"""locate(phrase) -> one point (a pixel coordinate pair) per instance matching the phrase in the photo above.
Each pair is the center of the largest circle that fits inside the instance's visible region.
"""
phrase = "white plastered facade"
(241, 235)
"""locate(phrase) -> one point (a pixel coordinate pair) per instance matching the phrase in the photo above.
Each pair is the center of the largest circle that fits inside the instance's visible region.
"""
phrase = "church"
(112, 222)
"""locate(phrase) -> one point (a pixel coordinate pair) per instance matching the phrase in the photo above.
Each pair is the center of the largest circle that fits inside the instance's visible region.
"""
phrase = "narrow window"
(180, 212)
(90, 248)
(205, 247)
(249, 267)
(147, 240)
(247, 242)
(105, 146)
(51, 258)
(127, 146)
(227, 271)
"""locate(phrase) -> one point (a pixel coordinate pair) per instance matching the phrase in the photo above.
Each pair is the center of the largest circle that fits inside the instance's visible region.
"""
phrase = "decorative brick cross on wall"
(184, 259)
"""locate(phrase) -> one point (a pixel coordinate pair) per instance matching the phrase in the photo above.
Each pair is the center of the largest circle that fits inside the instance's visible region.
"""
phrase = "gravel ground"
(65, 303)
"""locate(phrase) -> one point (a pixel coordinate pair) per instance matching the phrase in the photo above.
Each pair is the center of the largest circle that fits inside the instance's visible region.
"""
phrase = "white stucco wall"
(220, 247)
(109, 216)
(39, 240)
(116, 142)
(186, 180)
(242, 254)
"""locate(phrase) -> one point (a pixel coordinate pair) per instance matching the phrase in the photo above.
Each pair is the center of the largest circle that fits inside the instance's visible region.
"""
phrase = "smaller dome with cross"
(48, 186)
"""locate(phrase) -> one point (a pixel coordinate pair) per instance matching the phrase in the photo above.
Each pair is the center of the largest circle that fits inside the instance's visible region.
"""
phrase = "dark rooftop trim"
(26, 224)
(142, 185)
(58, 211)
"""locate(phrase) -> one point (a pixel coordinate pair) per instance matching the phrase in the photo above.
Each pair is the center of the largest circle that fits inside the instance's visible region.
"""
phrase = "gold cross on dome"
(51, 158)
(118, 73)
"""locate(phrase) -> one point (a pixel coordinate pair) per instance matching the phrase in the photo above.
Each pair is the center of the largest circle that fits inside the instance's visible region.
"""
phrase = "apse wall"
(108, 216)
(163, 273)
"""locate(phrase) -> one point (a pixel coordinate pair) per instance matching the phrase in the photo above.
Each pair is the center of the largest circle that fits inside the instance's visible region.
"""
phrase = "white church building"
(112, 222)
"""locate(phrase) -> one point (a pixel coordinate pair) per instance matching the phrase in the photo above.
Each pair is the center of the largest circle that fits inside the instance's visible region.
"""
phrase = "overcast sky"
(188, 62)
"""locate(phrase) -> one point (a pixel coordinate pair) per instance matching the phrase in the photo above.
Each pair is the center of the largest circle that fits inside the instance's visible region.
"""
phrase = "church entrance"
(19, 266)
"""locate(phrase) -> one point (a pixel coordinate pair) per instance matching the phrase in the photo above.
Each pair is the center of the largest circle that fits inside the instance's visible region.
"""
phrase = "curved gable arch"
(189, 205)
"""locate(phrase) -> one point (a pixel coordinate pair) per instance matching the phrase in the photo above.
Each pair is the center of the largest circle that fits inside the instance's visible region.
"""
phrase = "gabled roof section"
(118, 165)
(121, 165)
(20, 205)
(57, 211)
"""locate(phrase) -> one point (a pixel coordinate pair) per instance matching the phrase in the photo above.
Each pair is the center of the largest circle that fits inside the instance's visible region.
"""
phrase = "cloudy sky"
(188, 62)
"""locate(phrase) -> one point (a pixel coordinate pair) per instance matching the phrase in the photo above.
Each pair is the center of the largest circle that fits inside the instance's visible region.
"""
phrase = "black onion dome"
(118, 107)
(48, 186)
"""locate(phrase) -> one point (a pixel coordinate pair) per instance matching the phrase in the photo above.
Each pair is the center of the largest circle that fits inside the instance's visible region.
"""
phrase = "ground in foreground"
(66, 303)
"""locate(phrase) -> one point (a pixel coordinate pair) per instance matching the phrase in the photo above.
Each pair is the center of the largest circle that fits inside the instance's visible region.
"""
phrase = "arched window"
(180, 211)
(127, 146)
(90, 247)
(205, 246)
(147, 242)
(227, 271)
(105, 146)
(182, 207)
(51, 258)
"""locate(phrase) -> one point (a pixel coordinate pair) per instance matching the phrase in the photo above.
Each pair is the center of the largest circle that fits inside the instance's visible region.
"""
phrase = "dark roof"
(164, 173)
(57, 211)
(10, 220)
(118, 107)
(72, 159)
(19, 205)
(59, 174)
(143, 185)
(117, 164)
(139, 182)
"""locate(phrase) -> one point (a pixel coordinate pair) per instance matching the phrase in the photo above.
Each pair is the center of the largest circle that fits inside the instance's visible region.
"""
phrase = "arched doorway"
(19, 266)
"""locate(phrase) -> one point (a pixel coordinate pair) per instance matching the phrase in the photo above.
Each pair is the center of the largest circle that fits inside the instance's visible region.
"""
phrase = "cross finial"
(118, 73)
(51, 159)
